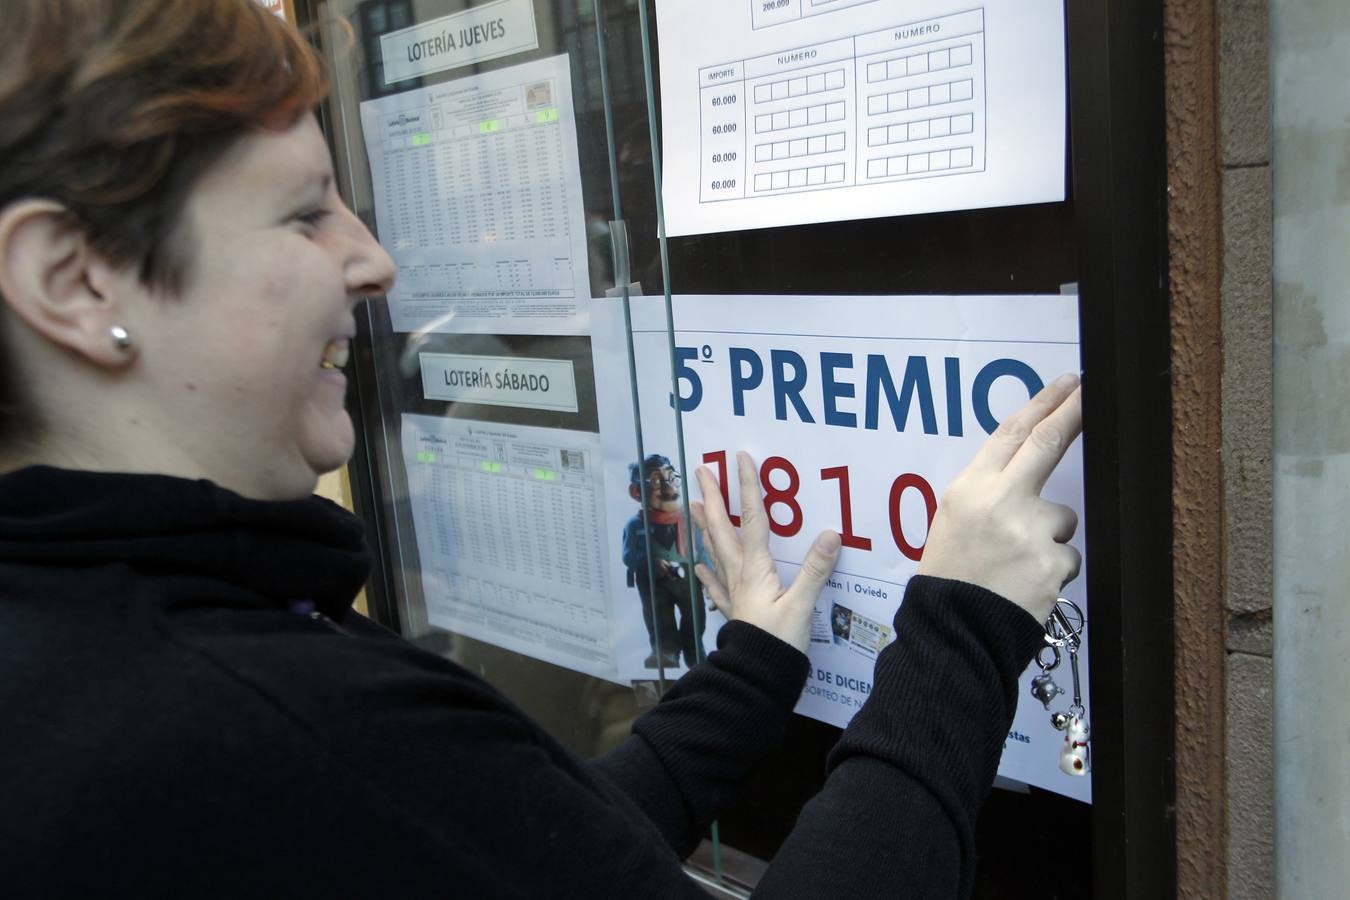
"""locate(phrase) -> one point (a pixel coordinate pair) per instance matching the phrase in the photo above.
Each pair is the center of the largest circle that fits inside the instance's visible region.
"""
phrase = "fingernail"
(1066, 381)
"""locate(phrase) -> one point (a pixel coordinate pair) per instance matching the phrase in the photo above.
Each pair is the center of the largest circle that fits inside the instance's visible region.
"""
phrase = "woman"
(190, 706)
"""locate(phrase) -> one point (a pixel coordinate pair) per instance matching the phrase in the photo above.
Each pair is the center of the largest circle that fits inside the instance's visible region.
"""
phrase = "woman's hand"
(746, 584)
(992, 527)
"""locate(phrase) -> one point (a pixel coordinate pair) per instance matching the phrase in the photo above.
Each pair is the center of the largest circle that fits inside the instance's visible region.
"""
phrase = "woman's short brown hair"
(113, 108)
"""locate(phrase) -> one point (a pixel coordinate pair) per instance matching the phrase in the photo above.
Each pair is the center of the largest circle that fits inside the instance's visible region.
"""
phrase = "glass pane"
(490, 183)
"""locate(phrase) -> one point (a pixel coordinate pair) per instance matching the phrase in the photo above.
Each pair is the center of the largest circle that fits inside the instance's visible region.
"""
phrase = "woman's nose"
(370, 269)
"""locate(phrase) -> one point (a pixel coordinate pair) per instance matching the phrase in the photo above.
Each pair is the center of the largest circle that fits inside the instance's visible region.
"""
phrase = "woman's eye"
(312, 218)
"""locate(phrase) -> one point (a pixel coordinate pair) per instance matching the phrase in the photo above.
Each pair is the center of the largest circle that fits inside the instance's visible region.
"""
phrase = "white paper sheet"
(509, 524)
(870, 404)
(825, 110)
(478, 199)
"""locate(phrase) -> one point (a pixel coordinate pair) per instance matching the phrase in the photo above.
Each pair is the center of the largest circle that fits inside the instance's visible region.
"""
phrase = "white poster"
(860, 411)
(478, 200)
(784, 112)
(510, 522)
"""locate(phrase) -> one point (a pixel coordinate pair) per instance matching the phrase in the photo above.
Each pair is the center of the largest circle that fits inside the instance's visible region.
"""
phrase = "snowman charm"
(1075, 757)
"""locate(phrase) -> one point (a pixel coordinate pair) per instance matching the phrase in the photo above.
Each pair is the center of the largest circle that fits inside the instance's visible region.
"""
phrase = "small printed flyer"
(859, 411)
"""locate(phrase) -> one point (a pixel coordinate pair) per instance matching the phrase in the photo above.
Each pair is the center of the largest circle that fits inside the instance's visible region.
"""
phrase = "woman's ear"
(57, 284)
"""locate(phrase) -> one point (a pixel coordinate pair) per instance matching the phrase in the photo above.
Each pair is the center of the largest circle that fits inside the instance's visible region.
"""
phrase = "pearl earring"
(121, 338)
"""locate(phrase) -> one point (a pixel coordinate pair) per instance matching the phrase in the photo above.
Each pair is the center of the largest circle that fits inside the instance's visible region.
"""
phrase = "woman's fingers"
(714, 510)
(1033, 462)
(996, 452)
(1062, 522)
(722, 539)
(700, 517)
(754, 521)
(1072, 562)
(717, 591)
(818, 566)
(720, 534)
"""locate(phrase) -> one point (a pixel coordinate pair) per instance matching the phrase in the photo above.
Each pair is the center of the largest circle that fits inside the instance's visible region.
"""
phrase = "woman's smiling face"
(245, 362)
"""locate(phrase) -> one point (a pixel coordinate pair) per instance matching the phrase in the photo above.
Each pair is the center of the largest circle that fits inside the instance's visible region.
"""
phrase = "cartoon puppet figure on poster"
(665, 587)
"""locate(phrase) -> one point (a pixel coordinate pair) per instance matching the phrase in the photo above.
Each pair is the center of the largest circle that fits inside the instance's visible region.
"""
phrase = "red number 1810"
(775, 497)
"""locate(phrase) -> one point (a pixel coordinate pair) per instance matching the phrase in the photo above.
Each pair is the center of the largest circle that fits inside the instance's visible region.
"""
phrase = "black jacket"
(189, 708)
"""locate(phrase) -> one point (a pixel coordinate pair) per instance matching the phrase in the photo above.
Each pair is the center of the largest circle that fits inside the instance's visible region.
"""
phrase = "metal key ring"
(1066, 623)
(1053, 664)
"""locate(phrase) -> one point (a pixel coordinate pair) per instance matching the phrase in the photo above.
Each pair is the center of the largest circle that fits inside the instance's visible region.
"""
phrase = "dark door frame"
(1119, 166)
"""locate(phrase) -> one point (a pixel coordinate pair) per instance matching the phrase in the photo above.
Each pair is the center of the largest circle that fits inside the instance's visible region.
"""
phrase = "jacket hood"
(282, 551)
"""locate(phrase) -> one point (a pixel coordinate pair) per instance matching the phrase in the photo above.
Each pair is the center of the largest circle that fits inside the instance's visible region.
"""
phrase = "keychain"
(1064, 629)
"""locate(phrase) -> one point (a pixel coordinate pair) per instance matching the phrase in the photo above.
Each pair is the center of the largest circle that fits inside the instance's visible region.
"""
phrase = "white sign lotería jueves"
(485, 32)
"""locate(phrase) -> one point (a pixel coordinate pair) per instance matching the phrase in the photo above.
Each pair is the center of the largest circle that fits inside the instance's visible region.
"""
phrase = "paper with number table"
(478, 199)
(783, 112)
(510, 522)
